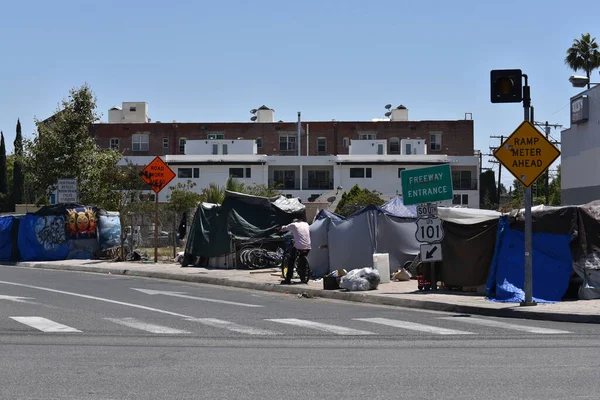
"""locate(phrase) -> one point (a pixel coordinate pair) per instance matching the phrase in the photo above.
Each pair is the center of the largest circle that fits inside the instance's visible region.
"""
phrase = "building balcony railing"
(307, 184)
(465, 184)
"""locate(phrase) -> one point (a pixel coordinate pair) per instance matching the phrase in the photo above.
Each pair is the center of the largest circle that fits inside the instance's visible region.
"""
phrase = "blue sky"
(344, 60)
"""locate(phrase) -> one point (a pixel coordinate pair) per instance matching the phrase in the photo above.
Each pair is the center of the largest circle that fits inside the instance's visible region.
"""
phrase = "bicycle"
(303, 273)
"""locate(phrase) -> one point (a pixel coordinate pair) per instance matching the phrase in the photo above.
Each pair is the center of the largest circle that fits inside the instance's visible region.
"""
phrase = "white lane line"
(44, 325)
(134, 323)
(506, 325)
(185, 296)
(414, 326)
(230, 326)
(339, 330)
(85, 296)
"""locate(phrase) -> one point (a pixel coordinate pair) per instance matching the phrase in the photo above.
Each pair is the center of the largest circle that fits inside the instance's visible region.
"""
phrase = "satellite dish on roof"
(253, 111)
(253, 118)
(388, 106)
(387, 114)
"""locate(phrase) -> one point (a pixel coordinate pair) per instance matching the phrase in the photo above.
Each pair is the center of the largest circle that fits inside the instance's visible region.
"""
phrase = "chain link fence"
(138, 232)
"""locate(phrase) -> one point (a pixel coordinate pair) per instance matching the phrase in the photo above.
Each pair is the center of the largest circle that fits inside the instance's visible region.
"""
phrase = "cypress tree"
(18, 178)
(3, 177)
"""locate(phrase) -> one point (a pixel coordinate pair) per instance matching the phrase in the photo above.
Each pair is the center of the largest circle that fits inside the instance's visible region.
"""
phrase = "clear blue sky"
(343, 60)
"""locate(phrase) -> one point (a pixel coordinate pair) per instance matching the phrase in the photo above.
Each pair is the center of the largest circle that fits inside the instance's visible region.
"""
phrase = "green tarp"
(241, 218)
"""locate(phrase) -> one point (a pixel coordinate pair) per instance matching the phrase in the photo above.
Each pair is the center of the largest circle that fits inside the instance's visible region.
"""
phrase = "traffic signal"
(507, 85)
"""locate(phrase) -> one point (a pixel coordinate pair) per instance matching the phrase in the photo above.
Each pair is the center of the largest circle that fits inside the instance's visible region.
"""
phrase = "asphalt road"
(70, 335)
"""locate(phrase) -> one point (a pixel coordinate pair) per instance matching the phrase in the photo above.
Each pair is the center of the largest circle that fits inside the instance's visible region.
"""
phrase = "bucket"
(381, 262)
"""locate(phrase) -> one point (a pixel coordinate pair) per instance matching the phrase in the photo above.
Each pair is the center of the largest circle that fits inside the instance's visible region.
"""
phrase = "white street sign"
(66, 191)
(431, 252)
(429, 230)
(427, 210)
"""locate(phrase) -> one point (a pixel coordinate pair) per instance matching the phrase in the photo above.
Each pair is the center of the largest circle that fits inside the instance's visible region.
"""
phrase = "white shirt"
(301, 234)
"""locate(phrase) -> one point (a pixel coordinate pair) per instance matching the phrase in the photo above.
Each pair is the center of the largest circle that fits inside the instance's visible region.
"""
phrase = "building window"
(196, 172)
(367, 135)
(139, 142)
(379, 148)
(346, 142)
(408, 148)
(184, 172)
(215, 136)
(225, 149)
(400, 172)
(460, 199)
(287, 143)
(182, 142)
(394, 145)
(321, 145)
(435, 141)
(248, 172)
(259, 143)
(357, 172)
(215, 148)
(368, 173)
(165, 143)
(114, 144)
(462, 180)
(132, 109)
(236, 172)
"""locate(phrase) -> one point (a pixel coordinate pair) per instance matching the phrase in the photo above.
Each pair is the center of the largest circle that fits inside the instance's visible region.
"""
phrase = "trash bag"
(361, 279)
(182, 226)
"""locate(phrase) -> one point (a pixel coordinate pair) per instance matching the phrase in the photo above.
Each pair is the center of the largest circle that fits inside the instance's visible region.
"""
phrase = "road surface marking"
(85, 296)
(17, 299)
(230, 326)
(185, 296)
(44, 325)
(134, 323)
(414, 326)
(339, 330)
(506, 325)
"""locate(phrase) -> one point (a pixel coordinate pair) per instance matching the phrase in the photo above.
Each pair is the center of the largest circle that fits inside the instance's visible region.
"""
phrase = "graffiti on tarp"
(81, 223)
(50, 231)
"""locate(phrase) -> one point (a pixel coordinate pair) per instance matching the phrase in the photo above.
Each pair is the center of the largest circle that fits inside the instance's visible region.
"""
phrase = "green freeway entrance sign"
(427, 185)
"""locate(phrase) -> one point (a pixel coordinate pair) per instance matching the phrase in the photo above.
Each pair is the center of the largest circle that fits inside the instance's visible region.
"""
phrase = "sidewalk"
(404, 294)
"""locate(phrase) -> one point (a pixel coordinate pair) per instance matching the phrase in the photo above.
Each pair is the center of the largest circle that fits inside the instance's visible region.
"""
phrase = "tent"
(241, 218)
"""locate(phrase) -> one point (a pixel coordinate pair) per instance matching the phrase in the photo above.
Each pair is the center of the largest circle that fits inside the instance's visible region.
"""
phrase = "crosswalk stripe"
(134, 323)
(505, 325)
(231, 326)
(339, 330)
(44, 325)
(414, 326)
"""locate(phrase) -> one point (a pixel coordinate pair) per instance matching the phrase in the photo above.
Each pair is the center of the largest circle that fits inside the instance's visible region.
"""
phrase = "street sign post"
(429, 230)
(157, 175)
(427, 185)
(66, 191)
(526, 153)
(431, 252)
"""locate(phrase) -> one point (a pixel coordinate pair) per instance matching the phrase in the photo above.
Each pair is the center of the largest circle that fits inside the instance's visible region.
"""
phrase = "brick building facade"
(454, 138)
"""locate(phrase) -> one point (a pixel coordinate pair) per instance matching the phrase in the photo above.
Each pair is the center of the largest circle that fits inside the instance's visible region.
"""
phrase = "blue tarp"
(552, 265)
(6, 224)
(42, 238)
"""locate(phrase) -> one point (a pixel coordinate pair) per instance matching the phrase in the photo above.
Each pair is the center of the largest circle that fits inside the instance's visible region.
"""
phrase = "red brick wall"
(457, 136)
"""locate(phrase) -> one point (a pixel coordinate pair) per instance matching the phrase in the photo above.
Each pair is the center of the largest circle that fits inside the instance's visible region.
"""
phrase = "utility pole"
(546, 128)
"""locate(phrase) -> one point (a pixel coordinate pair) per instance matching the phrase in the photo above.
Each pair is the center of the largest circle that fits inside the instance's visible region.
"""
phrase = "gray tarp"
(352, 242)
(396, 236)
(319, 254)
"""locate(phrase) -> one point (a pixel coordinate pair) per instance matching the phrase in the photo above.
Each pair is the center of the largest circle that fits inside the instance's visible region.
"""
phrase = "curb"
(329, 294)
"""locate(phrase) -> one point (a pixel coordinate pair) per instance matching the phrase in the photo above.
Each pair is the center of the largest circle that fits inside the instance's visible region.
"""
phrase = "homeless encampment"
(242, 218)
(58, 232)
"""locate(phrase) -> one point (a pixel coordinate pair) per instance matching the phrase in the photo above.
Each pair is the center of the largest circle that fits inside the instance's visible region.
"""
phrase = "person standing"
(301, 233)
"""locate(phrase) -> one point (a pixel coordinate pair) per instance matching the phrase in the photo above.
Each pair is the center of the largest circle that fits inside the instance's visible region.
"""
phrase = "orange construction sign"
(157, 174)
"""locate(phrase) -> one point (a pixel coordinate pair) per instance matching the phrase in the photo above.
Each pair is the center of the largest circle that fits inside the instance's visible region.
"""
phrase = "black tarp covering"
(468, 251)
(240, 217)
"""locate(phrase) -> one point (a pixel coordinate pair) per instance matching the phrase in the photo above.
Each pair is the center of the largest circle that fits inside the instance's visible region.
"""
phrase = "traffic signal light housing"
(506, 86)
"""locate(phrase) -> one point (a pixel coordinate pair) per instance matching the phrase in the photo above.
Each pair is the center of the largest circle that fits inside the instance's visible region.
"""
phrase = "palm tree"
(583, 55)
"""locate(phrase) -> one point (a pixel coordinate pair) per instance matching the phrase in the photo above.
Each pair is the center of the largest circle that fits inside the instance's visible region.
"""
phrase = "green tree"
(555, 191)
(63, 148)
(183, 198)
(357, 198)
(3, 171)
(488, 192)
(18, 174)
(583, 55)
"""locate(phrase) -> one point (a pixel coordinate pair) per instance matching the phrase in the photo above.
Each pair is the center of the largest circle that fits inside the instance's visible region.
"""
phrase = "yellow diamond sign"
(526, 153)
